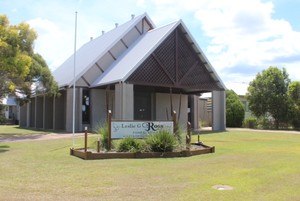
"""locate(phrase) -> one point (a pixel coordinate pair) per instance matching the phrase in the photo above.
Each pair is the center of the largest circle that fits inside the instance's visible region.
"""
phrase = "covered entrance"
(142, 106)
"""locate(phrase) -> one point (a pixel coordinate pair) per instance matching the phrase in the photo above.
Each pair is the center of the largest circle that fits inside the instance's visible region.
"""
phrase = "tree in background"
(20, 67)
(235, 111)
(294, 94)
(267, 95)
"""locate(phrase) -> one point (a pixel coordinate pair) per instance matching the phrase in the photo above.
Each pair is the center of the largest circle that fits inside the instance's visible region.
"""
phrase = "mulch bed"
(195, 149)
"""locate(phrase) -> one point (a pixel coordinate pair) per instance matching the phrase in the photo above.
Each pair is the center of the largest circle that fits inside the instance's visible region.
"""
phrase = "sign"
(138, 129)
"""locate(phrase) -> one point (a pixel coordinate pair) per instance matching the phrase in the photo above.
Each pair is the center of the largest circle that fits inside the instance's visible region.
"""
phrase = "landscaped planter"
(195, 150)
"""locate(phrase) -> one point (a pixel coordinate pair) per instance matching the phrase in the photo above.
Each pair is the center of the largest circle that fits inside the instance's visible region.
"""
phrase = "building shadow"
(4, 148)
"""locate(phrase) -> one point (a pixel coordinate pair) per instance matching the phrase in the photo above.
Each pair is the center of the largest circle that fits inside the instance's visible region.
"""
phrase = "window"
(85, 106)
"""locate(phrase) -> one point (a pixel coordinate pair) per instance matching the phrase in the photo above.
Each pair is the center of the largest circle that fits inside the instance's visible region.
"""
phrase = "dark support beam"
(122, 41)
(85, 81)
(99, 67)
(188, 72)
(139, 30)
(176, 56)
(112, 55)
(163, 67)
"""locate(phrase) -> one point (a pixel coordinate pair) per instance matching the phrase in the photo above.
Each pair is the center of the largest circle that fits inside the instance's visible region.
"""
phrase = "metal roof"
(89, 53)
(134, 56)
(127, 67)
(9, 101)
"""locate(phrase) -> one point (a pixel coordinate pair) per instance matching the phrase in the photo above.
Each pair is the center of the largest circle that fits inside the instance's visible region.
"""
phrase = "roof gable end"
(88, 54)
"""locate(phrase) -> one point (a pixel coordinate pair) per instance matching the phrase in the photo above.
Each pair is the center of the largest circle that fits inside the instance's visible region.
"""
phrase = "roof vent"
(103, 32)
(91, 38)
(132, 16)
(116, 25)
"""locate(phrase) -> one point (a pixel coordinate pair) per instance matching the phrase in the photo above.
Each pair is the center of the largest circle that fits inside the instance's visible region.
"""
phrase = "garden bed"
(195, 149)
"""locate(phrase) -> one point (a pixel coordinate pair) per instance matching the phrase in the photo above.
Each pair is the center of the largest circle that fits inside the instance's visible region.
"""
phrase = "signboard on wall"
(138, 129)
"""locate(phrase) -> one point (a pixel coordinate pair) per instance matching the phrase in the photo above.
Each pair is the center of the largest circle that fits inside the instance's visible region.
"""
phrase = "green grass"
(258, 165)
(16, 130)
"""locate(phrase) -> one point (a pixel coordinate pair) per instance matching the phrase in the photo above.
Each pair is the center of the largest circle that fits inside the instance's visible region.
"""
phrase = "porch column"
(124, 101)
(69, 110)
(194, 111)
(218, 111)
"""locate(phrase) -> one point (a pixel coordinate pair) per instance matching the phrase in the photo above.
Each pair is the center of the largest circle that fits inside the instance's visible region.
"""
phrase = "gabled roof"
(9, 101)
(92, 51)
(136, 57)
(165, 57)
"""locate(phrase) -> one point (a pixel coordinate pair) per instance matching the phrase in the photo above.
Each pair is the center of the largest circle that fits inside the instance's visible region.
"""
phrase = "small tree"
(294, 95)
(235, 112)
(267, 95)
(20, 66)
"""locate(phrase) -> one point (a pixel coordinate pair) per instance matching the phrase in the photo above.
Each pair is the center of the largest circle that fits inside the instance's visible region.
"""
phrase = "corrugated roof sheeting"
(88, 54)
(134, 56)
(162, 57)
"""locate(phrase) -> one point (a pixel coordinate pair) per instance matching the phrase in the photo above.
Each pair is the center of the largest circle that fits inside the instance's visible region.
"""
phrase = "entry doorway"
(142, 106)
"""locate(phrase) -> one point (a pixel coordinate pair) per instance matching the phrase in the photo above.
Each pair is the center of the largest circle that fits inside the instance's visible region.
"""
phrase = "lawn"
(258, 165)
(16, 130)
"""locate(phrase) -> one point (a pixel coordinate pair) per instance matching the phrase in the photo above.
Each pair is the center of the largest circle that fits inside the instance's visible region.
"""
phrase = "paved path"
(260, 130)
(35, 137)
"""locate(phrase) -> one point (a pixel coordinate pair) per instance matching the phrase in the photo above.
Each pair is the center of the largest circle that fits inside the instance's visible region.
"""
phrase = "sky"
(240, 38)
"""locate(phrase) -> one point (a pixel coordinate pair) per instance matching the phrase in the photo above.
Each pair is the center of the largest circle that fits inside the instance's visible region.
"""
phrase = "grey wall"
(124, 101)
(23, 115)
(48, 116)
(32, 112)
(219, 110)
(39, 112)
(59, 111)
(98, 108)
(203, 114)
(163, 103)
(69, 110)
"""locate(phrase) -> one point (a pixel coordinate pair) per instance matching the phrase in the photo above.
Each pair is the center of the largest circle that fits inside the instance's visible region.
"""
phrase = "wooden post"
(107, 98)
(109, 130)
(85, 139)
(188, 136)
(98, 145)
(174, 122)
(179, 109)
(171, 99)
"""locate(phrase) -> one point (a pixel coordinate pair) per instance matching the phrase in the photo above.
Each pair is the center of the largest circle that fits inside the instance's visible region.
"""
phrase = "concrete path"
(36, 137)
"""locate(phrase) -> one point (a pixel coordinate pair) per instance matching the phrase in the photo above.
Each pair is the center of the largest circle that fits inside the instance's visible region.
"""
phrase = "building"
(138, 71)
(245, 103)
(10, 109)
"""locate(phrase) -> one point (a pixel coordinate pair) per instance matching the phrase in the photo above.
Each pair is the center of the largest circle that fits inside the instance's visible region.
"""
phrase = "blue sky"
(239, 37)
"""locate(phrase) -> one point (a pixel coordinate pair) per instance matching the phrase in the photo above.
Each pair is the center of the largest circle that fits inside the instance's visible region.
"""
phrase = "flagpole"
(74, 81)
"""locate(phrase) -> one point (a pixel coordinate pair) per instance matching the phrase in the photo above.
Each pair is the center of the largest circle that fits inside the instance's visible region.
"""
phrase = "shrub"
(296, 124)
(2, 118)
(250, 122)
(163, 141)
(102, 130)
(179, 134)
(130, 144)
(265, 122)
(235, 112)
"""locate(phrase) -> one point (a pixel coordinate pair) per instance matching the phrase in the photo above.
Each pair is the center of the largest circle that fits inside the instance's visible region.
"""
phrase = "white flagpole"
(74, 81)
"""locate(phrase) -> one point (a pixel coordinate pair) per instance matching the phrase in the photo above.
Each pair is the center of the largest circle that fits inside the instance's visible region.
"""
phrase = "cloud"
(52, 41)
(240, 38)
